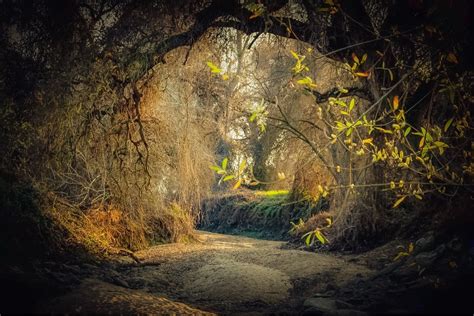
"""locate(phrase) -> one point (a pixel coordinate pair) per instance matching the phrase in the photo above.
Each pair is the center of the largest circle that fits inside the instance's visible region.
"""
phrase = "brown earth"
(226, 274)
(219, 273)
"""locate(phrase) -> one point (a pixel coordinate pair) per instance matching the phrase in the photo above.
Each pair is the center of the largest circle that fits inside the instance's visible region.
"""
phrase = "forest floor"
(226, 274)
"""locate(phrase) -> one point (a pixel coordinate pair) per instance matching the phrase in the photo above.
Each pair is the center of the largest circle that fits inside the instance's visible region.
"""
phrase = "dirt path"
(220, 273)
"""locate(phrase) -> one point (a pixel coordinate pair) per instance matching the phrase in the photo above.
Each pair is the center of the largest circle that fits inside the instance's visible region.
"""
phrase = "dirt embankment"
(263, 215)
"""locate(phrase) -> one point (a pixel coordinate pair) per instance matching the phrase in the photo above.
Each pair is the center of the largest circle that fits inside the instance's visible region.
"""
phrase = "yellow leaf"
(329, 220)
(383, 130)
(362, 74)
(237, 184)
(395, 102)
(399, 201)
(400, 254)
(225, 77)
(452, 58)
(255, 15)
(411, 247)
(214, 68)
(367, 141)
(343, 90)
(294, 54)
(355, 58)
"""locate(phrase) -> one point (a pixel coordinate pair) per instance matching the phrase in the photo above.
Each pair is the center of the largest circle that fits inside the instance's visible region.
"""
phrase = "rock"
(332, 312)
(121, 282)
(405, 271)
(325, 294)
(312, 311)
(113, 273)
(425, 259)
(349, 312)
(138, 282)
(471, 251)
(65, 278)
(321, 304)
(343, 305)
(72, 268)
(356, 301)
(330, 288)
(455, 244)
(89, 266)
(425, 243)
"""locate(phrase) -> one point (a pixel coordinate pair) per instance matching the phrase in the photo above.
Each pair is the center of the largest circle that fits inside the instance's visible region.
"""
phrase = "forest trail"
(219, 274)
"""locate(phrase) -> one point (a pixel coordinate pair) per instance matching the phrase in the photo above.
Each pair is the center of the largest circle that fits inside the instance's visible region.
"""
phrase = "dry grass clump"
(173, 224)
(107, 229)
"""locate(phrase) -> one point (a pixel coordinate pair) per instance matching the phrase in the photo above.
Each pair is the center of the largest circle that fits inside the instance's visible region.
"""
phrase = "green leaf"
(390, 74)
(448, 124)
(441, 146)
(253, 117)
(429, 138)
(308, 239)
(228, 177)
(215, 168)
(340, 102)
(242, 166)
(351, 104)
(320, 236)
(224, 163)
(407, 131)
(306, 81)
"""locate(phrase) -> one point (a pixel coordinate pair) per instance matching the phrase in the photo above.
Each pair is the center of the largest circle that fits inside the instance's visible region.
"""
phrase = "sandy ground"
(220, 273)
